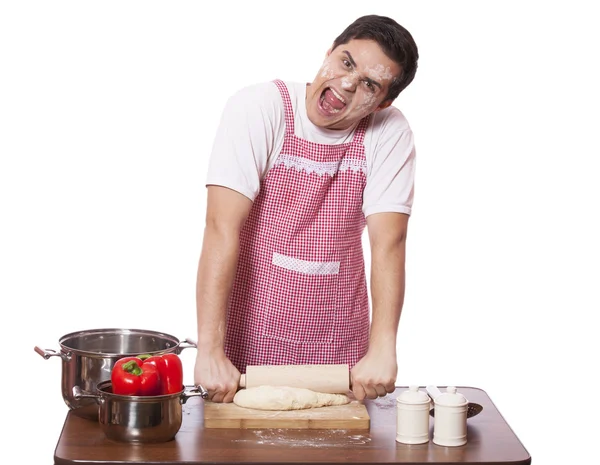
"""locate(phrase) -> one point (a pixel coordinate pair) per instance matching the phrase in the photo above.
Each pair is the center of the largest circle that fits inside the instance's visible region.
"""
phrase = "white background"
(107, 115)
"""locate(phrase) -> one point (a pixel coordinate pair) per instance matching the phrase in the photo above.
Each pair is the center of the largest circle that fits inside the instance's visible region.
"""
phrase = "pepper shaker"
(450, 418)
(412, 416)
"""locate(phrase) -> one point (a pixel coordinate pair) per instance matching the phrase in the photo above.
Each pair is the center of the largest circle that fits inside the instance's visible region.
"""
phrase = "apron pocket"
(302, 299)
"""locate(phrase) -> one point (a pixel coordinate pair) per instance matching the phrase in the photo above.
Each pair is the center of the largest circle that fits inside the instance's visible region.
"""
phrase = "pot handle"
(79, 393)
(195, 391)
(187, 343)
(47, 353)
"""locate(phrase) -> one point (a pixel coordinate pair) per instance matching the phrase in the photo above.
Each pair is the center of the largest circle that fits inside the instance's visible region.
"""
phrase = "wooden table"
(490, 441)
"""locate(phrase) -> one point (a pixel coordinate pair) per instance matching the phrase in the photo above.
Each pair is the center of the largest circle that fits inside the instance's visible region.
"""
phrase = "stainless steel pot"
(139, 418)
(89, 356)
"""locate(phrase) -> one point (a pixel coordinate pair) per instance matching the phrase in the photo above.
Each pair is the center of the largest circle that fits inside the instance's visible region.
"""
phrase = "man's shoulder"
(268, 90)
(390, 118)
(262, 99)
(257, 92)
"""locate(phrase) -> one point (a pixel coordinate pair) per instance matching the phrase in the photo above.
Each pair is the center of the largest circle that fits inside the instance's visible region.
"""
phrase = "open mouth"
(331, 102)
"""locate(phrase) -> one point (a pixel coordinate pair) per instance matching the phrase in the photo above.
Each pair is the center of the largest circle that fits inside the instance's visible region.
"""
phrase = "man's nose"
(350, 82)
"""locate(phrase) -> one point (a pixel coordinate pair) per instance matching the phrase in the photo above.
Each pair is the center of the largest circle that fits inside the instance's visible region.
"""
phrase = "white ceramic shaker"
(450, 418)
(412, 417)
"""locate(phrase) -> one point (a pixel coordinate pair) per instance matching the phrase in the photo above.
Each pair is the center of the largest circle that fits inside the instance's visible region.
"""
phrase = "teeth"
(338, 96)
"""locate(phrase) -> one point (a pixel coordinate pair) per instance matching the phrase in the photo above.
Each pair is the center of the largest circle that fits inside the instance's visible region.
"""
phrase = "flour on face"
(349, 81)
(370, 102)
(380, 72)
(326, 71)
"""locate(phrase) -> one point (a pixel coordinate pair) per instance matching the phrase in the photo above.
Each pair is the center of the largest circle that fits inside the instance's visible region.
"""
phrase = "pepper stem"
(132, 367)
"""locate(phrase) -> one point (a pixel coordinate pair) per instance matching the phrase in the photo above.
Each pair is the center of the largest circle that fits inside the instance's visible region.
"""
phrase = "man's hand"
(215, 373)
(375, 374)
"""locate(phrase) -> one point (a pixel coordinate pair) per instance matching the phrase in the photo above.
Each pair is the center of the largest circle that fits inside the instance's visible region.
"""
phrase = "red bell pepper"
(130, 376)
(170, 370)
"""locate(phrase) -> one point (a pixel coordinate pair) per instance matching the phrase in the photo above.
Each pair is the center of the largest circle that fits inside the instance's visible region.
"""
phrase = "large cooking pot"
(89, 356)
(139, 418)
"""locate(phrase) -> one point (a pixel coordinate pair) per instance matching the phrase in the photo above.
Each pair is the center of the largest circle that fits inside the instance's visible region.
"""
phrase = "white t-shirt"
(250, 137)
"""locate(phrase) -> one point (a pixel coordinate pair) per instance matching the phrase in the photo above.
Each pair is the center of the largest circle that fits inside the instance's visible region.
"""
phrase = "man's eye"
(346, 63)
(369, 85)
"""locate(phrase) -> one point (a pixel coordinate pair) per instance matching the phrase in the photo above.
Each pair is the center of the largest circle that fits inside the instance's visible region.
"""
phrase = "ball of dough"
(286, 398)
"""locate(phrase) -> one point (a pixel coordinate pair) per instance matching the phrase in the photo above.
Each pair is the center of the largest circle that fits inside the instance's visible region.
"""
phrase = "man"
(296, 172)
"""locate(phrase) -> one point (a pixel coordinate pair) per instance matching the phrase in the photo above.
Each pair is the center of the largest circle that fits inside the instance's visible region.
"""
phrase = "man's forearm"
(216, 272)
(387, 235)
(387, 289)
(226, 214)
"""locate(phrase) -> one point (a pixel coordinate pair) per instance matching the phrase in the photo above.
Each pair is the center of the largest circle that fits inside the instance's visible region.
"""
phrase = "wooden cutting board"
(350, 416)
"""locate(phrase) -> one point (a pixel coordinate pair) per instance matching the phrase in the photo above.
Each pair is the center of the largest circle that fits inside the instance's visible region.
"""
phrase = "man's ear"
(384, 104)
(329, 51)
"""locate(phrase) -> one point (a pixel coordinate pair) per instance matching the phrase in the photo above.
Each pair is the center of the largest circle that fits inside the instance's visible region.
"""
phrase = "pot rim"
(184, 394)
(112, 331)
(104, 385)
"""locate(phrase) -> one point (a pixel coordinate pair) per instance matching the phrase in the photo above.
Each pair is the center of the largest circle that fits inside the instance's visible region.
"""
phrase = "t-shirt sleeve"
(390, 178)
(245, 139)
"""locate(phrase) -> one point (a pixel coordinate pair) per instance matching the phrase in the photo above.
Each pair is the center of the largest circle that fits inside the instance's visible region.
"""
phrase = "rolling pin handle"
(242, 381)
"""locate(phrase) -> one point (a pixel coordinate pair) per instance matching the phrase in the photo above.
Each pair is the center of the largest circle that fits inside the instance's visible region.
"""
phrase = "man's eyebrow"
(350, 58)
(369, 80)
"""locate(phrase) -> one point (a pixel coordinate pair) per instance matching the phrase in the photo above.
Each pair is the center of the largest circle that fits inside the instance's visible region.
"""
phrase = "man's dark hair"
(395, 41)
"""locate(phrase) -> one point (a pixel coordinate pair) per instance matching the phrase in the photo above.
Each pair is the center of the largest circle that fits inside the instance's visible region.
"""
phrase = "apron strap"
(287, 105)
(359, 133)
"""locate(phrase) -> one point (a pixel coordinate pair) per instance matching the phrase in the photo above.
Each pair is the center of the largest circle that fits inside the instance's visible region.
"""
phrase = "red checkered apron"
(300, 294)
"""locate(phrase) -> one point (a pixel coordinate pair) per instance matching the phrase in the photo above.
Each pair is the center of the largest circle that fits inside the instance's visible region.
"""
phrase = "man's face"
(353, 82)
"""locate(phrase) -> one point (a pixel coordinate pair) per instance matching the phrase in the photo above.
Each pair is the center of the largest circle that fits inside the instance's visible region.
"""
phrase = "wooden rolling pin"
(333, 379)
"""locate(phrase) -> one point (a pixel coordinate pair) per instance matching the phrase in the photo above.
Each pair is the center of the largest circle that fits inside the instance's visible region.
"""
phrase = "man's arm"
(227, 211)
(375, 374)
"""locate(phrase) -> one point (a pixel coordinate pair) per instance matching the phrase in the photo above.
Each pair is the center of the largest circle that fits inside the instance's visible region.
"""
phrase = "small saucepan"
(140, 419)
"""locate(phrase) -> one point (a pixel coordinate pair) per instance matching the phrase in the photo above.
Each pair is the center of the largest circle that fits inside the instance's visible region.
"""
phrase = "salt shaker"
(450, 418)
(412, 417)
